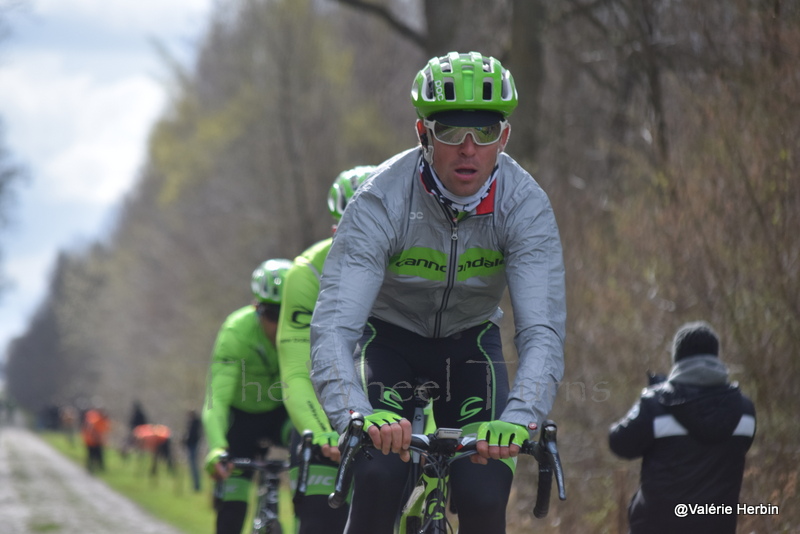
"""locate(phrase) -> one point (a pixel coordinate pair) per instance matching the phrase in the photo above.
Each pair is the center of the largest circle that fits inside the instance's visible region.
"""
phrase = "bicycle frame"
(422, 421)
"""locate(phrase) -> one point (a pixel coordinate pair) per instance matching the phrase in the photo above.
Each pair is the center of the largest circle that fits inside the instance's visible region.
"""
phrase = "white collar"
(465, 204)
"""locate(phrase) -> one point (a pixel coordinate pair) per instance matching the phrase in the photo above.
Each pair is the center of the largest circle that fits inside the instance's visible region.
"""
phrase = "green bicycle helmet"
(464, 82)
(344, 187)
(267, 281)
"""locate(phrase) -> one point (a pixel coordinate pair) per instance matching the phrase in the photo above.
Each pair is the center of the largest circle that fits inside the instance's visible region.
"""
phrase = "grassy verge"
(169, 498)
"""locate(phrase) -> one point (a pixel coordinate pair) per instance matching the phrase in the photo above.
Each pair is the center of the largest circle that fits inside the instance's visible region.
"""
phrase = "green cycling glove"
(380, 418)
(213, 457)
(326, 438)
(502, 434)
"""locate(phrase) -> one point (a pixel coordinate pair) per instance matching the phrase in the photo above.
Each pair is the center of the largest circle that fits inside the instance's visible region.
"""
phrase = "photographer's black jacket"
(692, 441)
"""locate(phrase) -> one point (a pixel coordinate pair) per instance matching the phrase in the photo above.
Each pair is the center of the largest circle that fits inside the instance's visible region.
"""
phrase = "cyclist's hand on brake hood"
(328, 443)
(214, 465)
(389, 432)
(499, 440)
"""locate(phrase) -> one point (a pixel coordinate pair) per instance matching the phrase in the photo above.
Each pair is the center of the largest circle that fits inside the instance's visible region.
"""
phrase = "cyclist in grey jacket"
(411, 289)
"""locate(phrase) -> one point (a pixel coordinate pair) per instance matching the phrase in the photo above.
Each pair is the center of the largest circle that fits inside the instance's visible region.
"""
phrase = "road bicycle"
(265, 515)
(425, 510)
(268, 479)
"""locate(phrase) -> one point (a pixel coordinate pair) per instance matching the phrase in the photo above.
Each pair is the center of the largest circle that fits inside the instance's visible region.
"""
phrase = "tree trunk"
(526, 63)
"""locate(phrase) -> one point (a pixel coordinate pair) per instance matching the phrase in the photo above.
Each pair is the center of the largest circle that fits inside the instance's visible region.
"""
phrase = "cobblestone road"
(41, 491)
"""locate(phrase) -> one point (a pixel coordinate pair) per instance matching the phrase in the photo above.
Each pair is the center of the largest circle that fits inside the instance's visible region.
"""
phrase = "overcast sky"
(80, 87)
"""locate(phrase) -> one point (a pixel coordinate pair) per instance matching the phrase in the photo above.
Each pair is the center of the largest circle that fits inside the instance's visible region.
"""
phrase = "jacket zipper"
(452, 268)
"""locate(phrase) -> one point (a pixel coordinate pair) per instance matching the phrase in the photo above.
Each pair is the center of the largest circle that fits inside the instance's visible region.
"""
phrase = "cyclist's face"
(464, 168)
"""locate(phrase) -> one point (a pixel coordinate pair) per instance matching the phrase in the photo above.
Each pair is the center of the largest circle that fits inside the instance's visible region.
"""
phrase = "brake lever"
(350, 447)
(305, 460)
(546, 454)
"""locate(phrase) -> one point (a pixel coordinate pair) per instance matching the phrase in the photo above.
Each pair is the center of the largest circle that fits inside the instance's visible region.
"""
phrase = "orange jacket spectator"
(154, 439)
(96, 426)
(151, 437)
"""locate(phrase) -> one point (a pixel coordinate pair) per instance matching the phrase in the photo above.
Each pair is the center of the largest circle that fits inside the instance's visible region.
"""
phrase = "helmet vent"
(506, 93)
(449, 90)
(428, 93)
(487, 89)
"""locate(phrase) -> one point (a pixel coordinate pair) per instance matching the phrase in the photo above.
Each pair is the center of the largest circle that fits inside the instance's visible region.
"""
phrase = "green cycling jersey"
(243, 375)
(294, 343)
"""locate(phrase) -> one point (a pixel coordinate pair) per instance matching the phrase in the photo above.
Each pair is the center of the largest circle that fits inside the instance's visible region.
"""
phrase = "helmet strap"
(424, 140)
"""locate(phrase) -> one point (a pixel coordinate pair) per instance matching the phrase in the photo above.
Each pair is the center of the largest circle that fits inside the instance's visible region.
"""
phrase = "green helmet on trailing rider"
(267, 285)
(344, 187)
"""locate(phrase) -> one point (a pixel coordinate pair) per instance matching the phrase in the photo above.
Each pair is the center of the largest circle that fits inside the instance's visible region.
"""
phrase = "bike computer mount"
(447, 433)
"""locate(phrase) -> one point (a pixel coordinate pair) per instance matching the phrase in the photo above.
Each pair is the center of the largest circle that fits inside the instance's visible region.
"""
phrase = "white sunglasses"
(455, 135)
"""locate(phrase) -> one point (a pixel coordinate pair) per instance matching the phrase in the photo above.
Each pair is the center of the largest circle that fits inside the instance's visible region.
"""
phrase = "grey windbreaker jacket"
(399, 256)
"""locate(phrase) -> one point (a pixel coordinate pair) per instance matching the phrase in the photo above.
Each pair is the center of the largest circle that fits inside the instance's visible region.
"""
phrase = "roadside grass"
(166, 497)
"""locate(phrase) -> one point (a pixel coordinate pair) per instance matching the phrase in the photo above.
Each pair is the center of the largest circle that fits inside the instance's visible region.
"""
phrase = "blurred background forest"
(666, 133)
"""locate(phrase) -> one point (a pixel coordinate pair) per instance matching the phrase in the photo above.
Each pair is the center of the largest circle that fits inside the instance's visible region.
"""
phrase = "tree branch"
(382, 13)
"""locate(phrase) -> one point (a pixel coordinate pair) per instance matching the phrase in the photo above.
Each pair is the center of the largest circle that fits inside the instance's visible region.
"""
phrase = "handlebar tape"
(542, 505)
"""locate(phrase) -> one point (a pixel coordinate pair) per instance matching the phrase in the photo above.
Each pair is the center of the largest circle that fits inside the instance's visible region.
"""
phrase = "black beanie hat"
(694, 339)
